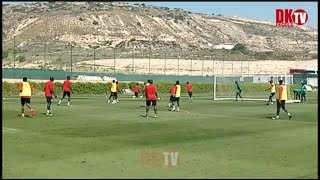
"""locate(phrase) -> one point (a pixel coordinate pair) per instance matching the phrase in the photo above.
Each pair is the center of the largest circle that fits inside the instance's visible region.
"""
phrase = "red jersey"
(136, 88)
(189, 87)
(173, 90)
(48, 88)
(151, 91)
(118, 87)
(66, 85)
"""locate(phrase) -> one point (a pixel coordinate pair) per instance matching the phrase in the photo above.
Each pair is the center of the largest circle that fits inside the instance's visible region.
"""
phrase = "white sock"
(68, 103)
(59, 102)
(48, 111)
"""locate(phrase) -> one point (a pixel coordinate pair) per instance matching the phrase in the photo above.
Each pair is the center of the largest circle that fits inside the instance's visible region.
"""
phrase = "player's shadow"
(142, 106)
(28, 116)
(269, 117)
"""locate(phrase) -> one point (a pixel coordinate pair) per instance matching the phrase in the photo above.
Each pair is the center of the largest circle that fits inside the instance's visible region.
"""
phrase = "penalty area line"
(203, 114)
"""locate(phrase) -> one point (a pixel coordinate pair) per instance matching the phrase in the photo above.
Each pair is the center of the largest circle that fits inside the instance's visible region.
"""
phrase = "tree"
(5, 54)
(240, 47)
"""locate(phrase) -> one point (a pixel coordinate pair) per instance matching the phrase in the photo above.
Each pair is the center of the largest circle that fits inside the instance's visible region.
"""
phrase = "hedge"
(163, 87)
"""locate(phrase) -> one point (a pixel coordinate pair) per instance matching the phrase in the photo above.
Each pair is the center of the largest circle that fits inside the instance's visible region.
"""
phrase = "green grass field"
(215, 139)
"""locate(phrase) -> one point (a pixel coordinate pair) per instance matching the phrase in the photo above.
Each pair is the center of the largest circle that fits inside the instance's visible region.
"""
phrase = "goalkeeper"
(239, 90)
(303, 92)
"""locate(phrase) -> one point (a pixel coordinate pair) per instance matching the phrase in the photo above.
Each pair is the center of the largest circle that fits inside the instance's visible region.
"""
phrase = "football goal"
(254, 87)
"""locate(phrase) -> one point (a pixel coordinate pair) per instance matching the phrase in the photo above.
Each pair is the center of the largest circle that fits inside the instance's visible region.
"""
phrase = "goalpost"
(254, 87)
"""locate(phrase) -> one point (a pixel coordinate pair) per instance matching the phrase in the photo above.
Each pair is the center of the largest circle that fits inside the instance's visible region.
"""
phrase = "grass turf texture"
(215, 139)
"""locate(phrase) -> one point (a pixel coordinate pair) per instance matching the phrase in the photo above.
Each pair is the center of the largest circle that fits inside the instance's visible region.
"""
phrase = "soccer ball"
(158, 98)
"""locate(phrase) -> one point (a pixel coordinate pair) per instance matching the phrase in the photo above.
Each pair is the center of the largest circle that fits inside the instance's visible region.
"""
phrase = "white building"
(224, 46)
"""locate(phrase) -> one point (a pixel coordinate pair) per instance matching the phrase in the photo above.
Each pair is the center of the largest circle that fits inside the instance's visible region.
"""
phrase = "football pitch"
(214, 139)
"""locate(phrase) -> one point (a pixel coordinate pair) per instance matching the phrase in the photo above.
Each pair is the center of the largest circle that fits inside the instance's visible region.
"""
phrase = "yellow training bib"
(273, 89)
(26, 89)
(114, 87)
(284, 93)
(178, 92)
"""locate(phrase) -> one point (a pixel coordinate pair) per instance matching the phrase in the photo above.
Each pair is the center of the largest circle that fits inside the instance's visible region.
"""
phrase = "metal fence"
(97, 59)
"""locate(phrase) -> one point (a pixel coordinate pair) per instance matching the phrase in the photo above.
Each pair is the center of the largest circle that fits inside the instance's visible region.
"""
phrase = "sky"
(254, 10)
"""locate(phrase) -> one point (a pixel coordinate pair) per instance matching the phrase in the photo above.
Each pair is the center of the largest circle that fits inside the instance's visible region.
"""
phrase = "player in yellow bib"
(272, 89)
(281, 100)
(176, 98)
(113, 92)
(25, 94)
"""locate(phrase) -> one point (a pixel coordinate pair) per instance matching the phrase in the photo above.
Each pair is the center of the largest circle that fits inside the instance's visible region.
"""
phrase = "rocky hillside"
(139, 27)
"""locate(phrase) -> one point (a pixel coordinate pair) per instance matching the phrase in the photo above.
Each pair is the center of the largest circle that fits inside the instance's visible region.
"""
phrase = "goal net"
(254, 87)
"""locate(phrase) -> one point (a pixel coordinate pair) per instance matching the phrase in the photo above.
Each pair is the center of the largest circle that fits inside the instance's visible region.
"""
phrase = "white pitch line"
(241, 117)
(202, 114)
(9, 129)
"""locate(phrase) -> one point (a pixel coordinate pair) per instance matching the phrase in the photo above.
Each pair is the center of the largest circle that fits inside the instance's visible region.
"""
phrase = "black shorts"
(190, 93)
(66, 93)
(282, 105)
(49, 98)
(136, 94)
(24, 101)
(176, 99)
(153, 102)
(272, 94)
(171, 98)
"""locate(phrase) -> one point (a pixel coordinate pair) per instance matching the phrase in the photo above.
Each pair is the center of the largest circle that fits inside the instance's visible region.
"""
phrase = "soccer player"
(172, 92)
(144, 88)
(66, 88)
(151, 98)
(281, 100)
(239, 90)
(272, 89)
(118, 91)
(189, 88)
(303, 92)
(48, 92)
(113, 91)
(136, 90)
(176, 99)
(25, 93)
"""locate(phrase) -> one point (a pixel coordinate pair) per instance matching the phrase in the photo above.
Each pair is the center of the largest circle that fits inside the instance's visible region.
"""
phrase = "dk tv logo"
(154, 157)
(288, 17)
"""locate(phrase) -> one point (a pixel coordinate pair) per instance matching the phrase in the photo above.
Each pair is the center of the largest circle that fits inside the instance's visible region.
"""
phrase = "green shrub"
(21, 58)
(314, 56)
(80, 88)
